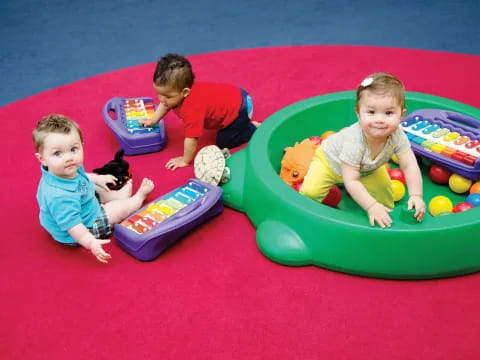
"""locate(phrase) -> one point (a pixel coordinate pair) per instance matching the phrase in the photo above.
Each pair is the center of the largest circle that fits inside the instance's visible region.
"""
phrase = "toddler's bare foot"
(118, 210)
(145, 188)
(256, 123)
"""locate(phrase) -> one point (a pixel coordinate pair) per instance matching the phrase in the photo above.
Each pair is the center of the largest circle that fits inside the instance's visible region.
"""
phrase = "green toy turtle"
(294, 230)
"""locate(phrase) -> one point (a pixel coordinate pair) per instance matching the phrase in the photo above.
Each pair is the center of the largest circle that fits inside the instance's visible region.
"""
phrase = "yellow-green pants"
(320, 178)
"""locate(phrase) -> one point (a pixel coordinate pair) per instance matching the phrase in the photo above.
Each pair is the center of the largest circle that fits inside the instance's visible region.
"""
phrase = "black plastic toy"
(117, 167)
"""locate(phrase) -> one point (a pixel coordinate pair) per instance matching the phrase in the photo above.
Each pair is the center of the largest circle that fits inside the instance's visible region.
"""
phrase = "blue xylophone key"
(410, 135)
(431, 129)
(197, 187)
(191, 192)
(411, 121)
(178, 195)
(131, 124)
(418, 140)
(421, 124)
(139, 130)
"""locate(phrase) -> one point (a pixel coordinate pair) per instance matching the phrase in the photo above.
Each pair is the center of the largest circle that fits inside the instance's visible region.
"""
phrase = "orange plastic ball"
(475, 188)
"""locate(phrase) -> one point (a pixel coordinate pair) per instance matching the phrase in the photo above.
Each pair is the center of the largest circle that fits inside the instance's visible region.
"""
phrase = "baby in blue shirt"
(69, 209)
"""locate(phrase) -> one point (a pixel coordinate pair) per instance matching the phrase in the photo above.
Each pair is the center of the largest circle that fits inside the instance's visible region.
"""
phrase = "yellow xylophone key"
(438, 148)
(449, 137)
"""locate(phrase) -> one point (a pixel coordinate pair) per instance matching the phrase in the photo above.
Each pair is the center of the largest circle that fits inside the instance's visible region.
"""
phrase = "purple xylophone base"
(137, 139)
(152, 243)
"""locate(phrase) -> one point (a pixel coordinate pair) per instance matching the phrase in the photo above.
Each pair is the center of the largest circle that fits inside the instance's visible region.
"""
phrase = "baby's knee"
(313, 193)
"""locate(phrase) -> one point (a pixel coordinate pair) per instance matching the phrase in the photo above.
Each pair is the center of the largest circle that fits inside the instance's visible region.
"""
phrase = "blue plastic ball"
(473, 199)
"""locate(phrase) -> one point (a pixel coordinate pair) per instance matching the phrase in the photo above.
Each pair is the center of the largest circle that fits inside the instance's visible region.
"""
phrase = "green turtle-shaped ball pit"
(295, 230)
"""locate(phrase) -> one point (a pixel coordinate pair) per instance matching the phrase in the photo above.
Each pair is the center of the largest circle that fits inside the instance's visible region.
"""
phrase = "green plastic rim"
(294, 230)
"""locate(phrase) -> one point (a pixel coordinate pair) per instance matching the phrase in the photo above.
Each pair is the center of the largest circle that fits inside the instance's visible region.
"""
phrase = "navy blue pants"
(241, 129)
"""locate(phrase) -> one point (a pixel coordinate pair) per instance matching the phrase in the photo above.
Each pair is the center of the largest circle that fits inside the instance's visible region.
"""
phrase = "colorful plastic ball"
(326, 134)
(398, 190)
(395, 158)
(426, 162)
(475, 188)
(439, 174)
(317, 140)
(459, 184)
(440, 204)
(397, 174)
(333, 197)
(462, 206)
(473, 199)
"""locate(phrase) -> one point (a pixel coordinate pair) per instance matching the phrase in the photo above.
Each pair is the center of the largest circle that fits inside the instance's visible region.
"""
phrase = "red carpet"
(213, 295)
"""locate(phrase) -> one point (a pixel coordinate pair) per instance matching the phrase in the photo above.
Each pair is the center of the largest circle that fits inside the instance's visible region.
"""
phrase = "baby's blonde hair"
(383, 84)
(53, 123)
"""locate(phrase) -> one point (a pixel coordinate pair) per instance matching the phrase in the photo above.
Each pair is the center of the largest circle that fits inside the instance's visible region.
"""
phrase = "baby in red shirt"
(200, 105)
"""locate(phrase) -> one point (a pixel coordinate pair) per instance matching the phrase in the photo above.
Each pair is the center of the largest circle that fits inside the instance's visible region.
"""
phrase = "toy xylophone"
(156, 226)
(448, 138)
(134, 138)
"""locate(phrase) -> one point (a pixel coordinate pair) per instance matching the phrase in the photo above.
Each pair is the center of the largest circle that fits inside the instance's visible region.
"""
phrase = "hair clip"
(367, 81)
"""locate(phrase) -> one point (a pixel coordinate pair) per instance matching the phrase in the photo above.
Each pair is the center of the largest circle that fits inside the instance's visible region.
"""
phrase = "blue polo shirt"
(65, 203)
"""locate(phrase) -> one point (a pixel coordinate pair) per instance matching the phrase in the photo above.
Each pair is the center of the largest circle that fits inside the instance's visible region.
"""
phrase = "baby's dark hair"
(174, 70)
(53, 123)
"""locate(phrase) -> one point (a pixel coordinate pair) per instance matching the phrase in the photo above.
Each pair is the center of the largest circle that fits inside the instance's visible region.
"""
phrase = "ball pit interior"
(296, 231)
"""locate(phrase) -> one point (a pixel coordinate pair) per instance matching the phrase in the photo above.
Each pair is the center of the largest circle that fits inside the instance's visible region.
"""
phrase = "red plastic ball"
(439, 174)
(397, 174)
(462, 206)
(333, 197)
(317, 140)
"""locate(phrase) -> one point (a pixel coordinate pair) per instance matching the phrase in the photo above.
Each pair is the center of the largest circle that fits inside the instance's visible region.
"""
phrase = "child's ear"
(356, 112)
(39, 157)
(185, 92)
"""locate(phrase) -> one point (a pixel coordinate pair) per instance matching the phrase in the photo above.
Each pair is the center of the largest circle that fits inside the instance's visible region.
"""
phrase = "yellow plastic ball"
(440, 204)
(458, 184)
(398, 190)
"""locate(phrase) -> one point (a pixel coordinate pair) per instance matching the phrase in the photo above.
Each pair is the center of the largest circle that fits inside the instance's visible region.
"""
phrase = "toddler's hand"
(175, 163)
(146, 122)
(103, 180)
(379, 213)
(98, 252)
(416, 201)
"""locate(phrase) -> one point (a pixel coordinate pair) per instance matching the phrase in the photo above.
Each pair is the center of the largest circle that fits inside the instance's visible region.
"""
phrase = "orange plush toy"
(295, 164)
(296, 161)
